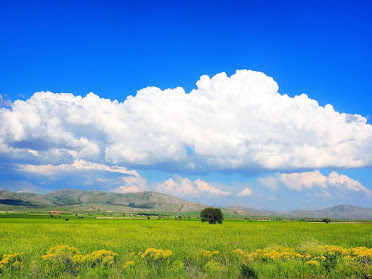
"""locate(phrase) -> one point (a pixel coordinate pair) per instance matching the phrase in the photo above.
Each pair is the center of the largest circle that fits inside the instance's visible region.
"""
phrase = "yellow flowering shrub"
(65, 254)
(313, 262)
(333, 250)
(329, 256)
(103, 256)
(108, 260)
(78, 259)
(13, 260)
(252, 256)
(156, 254)
(361, 252)
(238, 252)
(279, 252)
(61, 254)
(276, 253)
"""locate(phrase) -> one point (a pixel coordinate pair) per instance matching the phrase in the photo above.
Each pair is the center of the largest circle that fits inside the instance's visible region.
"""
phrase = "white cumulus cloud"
(300, 180)
(174, 186)
(237, 123)
(186, 187)
(245, 192)
(132, 184)
(314, 179)
(77, 165)
(340, 180)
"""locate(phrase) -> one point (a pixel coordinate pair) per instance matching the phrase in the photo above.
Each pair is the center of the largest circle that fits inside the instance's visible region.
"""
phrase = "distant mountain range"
(342, 211)
(151, 202)
(93, 201)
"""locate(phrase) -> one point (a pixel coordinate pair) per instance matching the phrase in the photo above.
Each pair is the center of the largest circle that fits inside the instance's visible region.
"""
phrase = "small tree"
(211, 215)
(326, 220)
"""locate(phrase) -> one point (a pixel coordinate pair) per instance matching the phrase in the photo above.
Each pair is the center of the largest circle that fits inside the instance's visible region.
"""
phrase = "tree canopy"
(211, 215)
(326, 220)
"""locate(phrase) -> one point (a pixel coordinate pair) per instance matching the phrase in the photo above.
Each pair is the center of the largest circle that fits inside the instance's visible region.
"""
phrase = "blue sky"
(203, 148)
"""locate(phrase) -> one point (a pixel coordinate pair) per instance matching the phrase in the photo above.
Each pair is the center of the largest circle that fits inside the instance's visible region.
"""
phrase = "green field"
(187, 239)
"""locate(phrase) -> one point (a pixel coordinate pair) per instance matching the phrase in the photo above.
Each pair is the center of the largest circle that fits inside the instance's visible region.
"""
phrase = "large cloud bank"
(228, 123)
(186, 187)
(179, 186)
(312, 179)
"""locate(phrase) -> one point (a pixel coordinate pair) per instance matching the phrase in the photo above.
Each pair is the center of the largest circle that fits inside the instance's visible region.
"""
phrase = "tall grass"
(186, 239)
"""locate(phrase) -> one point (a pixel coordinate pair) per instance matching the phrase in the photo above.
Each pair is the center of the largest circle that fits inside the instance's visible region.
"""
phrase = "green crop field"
(182, 249)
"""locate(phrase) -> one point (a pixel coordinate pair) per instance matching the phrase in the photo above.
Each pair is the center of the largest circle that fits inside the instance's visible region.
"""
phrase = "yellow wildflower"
(333, 249)
(10, 259)
(312, 262)
(61, 254)
(238, 251)
(156, 254)
(360, 252)
(108, 260)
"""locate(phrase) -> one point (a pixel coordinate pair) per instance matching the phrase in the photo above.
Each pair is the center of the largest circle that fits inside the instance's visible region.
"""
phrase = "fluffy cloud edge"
(245, 192)
(186, 187)
(77, 165)
(260, 129)
(312, 179)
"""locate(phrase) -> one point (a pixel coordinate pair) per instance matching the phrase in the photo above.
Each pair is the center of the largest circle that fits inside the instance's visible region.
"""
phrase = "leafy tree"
(326, 220)
(248, 272)
(211, 215)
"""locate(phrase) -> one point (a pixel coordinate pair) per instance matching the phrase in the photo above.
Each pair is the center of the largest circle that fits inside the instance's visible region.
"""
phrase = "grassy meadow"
(102, 248)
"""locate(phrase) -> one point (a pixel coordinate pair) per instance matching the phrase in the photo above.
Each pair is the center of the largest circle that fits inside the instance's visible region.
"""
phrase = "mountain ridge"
(149, 201)
(80, 200)
(342, 211)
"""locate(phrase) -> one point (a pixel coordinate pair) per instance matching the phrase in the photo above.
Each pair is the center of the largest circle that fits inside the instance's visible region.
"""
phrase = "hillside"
(9, 199)
(341, 212)
(241, 210)
(76, 200)
(151, 202)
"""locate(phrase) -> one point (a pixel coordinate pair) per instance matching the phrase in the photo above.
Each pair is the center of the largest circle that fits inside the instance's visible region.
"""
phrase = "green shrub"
(247, 272)
(211, 215)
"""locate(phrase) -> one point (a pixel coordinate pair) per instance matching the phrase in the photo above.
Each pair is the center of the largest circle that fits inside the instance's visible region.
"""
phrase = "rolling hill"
(76, 200)
(241, 210)
(151, 202)
(342, 211)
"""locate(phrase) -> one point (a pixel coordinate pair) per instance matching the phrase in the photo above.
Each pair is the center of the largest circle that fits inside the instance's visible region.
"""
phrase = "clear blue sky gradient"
(114, 48)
